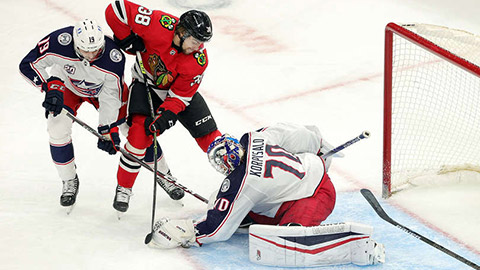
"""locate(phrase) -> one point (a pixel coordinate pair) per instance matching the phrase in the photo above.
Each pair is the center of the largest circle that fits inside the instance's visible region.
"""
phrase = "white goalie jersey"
(281, 164)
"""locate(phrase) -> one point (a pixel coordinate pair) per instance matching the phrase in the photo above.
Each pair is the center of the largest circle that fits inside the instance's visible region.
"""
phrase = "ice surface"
(310, 62)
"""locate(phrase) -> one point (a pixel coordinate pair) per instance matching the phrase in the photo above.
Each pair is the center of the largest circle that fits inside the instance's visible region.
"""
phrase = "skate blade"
(120, 215)
(69, 209)
(179, 203)
(176, 203)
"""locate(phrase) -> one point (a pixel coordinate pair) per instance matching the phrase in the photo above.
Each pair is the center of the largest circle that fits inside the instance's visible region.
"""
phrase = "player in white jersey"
(274, 177)
(73, 65)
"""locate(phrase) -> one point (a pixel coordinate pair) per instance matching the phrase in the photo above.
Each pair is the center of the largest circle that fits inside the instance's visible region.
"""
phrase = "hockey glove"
(53, 102)
(110, 145)
(173, 233)
(130, 44)
(163, 121)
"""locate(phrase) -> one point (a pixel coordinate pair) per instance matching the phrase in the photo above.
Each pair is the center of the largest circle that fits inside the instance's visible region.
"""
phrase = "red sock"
(206, 140)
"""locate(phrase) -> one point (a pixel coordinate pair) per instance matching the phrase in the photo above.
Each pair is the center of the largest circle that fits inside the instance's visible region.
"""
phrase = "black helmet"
(197, 24)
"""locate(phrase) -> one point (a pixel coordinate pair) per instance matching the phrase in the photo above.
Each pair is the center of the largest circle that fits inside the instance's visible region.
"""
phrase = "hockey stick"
(134, 158)
(339, 148)
(381, 213)
(148, 238)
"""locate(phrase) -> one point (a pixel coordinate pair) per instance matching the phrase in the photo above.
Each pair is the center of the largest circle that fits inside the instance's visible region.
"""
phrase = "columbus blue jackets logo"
(167, 22)
(86, 88)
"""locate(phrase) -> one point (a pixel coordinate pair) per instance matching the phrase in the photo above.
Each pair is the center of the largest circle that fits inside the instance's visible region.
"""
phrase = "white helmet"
(88, 36)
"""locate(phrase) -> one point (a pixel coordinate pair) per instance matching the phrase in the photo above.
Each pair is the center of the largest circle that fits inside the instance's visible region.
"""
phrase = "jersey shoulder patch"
(113, 59)
(65, 39)
(113, 51)
(167, 21)
(115, 55)
(196, 62)
(58, 42)
(201, 57)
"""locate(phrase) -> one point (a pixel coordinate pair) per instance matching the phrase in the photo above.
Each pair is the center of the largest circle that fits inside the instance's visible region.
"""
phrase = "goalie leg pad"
(367, 252)
(330, 244)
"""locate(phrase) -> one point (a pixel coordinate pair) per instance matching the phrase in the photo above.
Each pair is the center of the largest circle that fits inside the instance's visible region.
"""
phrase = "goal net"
(431, 103)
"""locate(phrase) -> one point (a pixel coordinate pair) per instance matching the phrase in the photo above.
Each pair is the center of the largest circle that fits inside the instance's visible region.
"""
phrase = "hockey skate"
(122, 198)
(173, 191)
(69, 193)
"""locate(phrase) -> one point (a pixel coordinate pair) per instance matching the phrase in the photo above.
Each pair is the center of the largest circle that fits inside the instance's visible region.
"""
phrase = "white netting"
(435, 106)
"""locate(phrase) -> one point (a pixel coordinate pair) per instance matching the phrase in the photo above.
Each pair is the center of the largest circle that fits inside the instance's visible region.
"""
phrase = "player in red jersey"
(175, 59)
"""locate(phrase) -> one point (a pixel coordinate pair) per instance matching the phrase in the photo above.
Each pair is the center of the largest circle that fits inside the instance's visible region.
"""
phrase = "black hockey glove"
(112, 142)
(53, 102)
(130, 44)
(163, 121)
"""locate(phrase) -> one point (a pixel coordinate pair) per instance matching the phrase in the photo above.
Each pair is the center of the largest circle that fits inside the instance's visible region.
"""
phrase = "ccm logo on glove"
(53, 102)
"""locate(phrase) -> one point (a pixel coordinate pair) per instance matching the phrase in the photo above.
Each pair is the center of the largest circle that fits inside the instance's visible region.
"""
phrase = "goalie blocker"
(329, 244)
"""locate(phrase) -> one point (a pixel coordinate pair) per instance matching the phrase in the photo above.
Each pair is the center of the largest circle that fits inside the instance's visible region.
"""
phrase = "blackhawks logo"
(201, 58)
(161, 76)
(167, 22)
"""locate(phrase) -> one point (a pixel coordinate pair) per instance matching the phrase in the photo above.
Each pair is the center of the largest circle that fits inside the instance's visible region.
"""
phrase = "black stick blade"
(376, 205)
(148, 238)
(381, 213)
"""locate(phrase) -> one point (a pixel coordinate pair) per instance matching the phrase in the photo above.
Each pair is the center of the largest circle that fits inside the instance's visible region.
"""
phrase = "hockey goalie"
(276, 184)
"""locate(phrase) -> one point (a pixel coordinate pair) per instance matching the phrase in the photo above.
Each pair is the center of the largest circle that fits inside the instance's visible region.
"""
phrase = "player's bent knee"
(59, 129)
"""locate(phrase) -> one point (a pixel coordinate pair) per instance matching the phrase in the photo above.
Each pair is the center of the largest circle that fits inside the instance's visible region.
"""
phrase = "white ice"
(305, 61)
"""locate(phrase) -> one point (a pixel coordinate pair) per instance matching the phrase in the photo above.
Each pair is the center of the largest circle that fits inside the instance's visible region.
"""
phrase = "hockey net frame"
(393, 30)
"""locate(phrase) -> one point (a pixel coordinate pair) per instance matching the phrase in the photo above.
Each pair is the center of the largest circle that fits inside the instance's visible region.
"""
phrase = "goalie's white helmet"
(225, 154)
(88, 36)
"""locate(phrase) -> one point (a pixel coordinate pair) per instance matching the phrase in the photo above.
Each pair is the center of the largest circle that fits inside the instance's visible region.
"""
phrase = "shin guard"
(61, 148)
(128, 169)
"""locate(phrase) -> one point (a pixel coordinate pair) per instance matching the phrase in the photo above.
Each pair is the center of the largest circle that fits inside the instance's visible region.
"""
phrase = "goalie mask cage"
(431, 103)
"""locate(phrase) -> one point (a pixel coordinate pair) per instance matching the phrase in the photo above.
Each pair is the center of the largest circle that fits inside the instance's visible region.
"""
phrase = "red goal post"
(431, 95)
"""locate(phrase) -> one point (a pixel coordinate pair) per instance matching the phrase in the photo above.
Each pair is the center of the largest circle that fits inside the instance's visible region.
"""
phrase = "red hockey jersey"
(175, 76)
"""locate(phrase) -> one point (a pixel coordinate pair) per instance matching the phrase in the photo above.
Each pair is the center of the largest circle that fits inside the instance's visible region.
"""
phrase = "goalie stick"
(141, 162)
(339, 148)
(382, 214)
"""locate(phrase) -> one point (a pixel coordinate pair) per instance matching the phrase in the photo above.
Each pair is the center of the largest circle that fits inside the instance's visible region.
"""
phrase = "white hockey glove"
(173, 233)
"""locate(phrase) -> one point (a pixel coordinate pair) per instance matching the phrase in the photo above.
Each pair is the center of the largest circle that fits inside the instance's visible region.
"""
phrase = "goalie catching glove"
(163, 121)
(173, 233)
(54, 89)
(112, 140)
